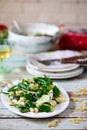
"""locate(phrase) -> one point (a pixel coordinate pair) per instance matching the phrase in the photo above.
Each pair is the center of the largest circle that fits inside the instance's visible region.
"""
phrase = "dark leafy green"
(12, 88)
(56, 91)
(44, 108)
(28, 97)
(4, 92)
(22, 86)
(30, 104)
(44, 83)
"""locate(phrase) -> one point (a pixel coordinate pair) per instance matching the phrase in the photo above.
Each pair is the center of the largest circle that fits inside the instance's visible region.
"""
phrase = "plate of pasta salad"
(36, 97)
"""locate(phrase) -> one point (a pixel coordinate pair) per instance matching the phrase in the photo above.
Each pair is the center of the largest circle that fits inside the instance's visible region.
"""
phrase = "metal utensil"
(18, 28)
(82, 59)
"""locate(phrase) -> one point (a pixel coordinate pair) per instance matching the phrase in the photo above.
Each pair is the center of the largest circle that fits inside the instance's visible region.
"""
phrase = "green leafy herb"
(4, 92)
(56, 91)
(28, 97)
(30, 104)
(44, 83)
(44, 108)
(23, 109)
(12, 89)
(22, 86)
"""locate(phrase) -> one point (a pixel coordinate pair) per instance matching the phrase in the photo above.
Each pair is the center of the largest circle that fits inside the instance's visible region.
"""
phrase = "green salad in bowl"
(37, 94)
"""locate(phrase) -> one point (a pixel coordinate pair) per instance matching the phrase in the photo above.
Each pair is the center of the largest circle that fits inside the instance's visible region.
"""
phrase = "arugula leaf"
(23, 109)
(30, 104)
(39, 93)
(22, 86)
(12, 88)
(4, 92)
(28, 97)
(56, 91)
(44, 108)
(44, 83)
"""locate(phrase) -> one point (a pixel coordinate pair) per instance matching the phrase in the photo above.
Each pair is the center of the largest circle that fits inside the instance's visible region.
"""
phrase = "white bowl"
(34, 44)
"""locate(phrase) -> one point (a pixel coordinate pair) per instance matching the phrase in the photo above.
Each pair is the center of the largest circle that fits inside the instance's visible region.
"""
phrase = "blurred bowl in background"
(34, 37)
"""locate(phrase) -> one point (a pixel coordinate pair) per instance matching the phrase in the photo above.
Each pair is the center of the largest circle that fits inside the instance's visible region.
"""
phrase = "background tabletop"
(11, 121)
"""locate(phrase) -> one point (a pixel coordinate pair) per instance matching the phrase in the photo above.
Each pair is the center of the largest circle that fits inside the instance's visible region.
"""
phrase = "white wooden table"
(11, 121)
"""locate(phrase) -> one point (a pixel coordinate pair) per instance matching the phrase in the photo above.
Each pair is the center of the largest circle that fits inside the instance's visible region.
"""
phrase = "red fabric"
(74, 40)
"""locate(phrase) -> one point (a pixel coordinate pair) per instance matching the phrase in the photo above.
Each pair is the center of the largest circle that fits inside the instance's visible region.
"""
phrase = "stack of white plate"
(56, 70)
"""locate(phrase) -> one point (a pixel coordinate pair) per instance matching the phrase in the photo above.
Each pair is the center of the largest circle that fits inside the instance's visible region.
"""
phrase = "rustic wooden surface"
(11, 121)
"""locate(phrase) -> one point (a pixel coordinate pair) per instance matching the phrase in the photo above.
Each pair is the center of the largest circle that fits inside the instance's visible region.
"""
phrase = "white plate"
(57, 67)
(53, 68)
(59, 108)
(55, 75)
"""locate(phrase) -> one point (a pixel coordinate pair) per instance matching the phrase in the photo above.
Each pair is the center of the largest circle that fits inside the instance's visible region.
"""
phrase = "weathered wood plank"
(41, 124)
